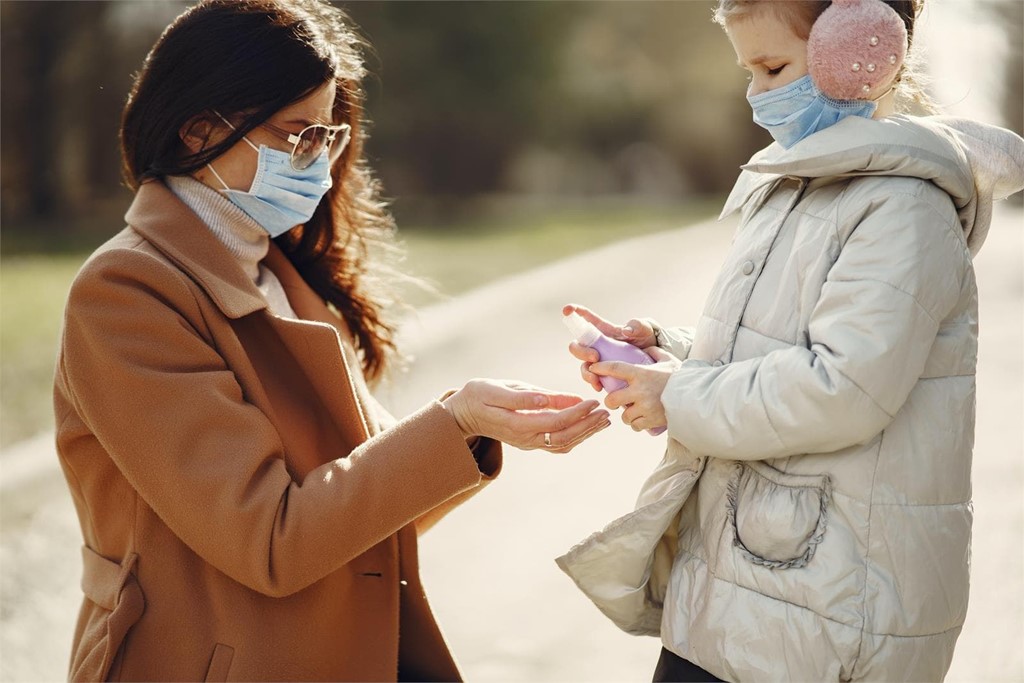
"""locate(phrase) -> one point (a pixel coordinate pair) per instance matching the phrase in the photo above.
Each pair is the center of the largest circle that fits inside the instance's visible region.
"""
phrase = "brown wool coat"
(249, 511)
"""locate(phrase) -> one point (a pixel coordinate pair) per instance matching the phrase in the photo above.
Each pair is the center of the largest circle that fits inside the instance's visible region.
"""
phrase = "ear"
(856, 49)
(197, 132)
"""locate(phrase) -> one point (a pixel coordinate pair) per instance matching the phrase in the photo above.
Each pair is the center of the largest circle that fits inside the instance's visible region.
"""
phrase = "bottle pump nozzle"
(584, 332)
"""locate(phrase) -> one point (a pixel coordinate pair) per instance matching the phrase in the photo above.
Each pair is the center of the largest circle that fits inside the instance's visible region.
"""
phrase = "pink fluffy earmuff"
(855, 49)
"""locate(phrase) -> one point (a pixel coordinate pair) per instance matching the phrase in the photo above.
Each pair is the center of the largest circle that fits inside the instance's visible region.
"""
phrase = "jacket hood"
(974, 163)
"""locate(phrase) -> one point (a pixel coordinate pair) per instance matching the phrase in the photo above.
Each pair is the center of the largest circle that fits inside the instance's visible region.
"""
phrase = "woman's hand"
(636, 332)
(525, 416)
(642, 395)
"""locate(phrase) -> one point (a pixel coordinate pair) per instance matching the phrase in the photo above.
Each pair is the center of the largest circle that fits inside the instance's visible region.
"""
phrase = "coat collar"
(166, 222)
(972, 162)
(894, 146)
(304, 300)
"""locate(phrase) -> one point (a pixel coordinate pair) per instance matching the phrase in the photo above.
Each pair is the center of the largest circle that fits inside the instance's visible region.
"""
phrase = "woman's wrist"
(451, 402)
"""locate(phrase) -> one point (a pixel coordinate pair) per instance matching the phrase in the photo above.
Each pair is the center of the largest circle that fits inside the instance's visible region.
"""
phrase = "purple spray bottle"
(608, 349)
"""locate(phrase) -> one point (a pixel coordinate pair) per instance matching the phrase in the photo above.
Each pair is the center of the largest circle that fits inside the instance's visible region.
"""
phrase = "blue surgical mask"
(799, 109)
(280, 196)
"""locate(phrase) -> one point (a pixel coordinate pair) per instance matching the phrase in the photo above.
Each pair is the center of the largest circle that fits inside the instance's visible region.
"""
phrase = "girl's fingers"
(600, 323)
(590, 378)
(588, 356)
(619, 398)
(639, 333)
(584, 353)
(614, 368)
(658, 354)
(631, 414)
(582, 310)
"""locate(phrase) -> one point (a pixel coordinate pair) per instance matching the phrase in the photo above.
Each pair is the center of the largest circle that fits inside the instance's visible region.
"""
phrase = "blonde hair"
(800, 15)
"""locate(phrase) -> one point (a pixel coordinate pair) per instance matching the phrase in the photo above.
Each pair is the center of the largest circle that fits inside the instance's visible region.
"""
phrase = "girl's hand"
(636, 332)
(588, 356)
(525, 416)
(642, 395)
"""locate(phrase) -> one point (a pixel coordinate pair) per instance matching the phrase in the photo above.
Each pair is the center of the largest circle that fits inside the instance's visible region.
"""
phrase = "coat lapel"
(166, 222)
(321, 341)
(318, 341)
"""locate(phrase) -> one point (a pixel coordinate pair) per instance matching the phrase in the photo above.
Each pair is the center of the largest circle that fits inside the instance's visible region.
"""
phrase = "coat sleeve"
(676, 340)
(143, 373)
(489, 458)
(488, 453)
(898, 276)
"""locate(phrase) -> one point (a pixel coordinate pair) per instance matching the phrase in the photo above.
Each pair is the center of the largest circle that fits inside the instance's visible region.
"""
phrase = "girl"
(811, 519)
(249, 511)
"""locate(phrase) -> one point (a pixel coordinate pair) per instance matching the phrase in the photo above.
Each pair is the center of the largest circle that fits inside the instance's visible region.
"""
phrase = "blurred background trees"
(65, 71)
(467, 99)
(544, 99)
(507, 133)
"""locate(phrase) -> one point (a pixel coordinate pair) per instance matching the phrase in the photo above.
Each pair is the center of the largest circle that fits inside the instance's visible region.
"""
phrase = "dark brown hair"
(247, 59)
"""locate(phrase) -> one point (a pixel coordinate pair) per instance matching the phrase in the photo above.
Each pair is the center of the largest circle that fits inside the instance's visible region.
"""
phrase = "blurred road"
(508, 612)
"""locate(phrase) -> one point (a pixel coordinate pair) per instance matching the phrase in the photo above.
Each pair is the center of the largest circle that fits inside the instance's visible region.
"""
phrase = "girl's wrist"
(656, 338)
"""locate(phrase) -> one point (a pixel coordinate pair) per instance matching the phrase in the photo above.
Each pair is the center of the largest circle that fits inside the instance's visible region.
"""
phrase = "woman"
(811, 520)
(249, 511)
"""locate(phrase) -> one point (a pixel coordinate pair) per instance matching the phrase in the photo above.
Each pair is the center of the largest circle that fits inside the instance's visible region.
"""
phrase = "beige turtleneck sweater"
(236, 230)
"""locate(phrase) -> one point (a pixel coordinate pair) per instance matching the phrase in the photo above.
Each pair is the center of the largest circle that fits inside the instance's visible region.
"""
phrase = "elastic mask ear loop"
(244, 137)
(209, 165)
(890, 89)
(221, 180)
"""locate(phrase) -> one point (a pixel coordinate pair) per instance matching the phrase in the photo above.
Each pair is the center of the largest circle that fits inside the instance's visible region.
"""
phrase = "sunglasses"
(311, 142)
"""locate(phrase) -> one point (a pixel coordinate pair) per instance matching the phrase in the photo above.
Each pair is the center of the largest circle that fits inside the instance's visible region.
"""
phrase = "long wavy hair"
(247, 59)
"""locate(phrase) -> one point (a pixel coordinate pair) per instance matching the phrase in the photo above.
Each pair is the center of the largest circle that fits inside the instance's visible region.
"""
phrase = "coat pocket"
(113, 604)
(778, 519)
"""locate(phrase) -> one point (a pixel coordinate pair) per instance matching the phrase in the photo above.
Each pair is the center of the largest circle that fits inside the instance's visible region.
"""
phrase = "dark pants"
(674, 669)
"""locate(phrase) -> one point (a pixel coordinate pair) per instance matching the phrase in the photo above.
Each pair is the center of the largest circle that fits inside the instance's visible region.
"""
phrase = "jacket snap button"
(717, 363)
(748, 267)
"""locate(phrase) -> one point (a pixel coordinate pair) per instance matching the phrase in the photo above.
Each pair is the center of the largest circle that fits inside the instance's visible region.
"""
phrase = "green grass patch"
(457, 258)
(32, 294)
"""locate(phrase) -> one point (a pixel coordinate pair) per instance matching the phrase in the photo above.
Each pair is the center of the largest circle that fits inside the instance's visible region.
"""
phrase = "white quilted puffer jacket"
(811, 519)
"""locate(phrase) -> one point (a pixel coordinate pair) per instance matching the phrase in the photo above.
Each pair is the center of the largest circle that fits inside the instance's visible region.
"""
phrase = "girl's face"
(767, 47)
(237, 166)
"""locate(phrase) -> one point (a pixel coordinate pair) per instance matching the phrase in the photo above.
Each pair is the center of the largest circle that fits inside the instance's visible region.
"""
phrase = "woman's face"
(237, 166)
(767, 47)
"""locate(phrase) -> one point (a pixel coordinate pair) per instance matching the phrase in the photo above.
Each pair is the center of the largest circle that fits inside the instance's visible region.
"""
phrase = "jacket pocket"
(220, 663)
(114, 603)
(778, 519)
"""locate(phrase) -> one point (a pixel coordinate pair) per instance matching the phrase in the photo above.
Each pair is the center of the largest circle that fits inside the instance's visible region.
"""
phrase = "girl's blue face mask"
(799, 109)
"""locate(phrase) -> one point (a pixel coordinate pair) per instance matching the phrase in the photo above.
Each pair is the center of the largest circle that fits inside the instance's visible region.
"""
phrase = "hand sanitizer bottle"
(608, 349)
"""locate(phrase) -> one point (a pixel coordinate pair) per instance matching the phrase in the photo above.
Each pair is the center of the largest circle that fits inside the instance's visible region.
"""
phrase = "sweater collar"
(166, 222)
(241, 234)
